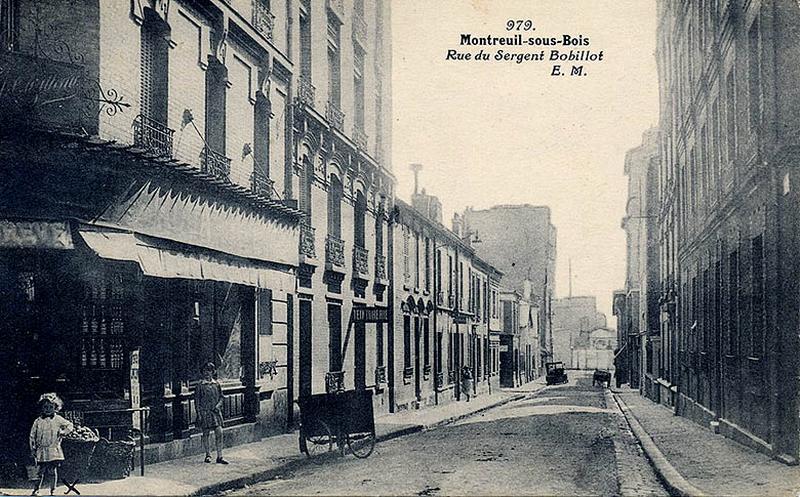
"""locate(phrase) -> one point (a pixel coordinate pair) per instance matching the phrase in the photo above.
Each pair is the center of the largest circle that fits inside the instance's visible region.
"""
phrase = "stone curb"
(302, 461)
(676, 484)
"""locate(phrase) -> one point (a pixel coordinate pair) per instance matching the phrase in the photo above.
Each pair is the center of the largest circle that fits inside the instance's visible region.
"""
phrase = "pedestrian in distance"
(208, 396)
(45, 440)
(466, 381)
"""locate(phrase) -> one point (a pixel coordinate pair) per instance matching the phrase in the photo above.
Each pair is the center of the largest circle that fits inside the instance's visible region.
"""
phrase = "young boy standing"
(208, 396)
(45, 440)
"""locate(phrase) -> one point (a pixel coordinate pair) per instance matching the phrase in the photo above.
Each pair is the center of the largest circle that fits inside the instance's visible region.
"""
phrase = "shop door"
(360, 366)
(306, 339)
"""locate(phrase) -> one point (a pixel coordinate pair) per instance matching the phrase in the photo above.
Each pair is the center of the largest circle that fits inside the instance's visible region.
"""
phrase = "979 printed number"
(519, 25)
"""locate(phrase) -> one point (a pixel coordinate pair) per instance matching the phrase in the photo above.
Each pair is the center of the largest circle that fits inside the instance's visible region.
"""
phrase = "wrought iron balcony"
(426, 371)
(440, 298)
(153, 136)
(334, 251)
(451, 377)
(215, 164)
(305, 91)
(360, 260)
(334, 381)
(359, 29)
(337, 7)
(451, 301)
(261, 184)
(307, 244)
(360, 137)
(408, 373)
(380, 375)
(334, 115)
(263, 20)
(380, 267)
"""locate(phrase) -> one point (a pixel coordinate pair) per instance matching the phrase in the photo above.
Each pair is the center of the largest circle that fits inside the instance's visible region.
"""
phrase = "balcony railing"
(360, 260)
(380, 375)
(215, 164)
(261, 184)
(307, 245)
(153, 136)
(335, 116)
(408, 373)
(451, 301)
(263, 20)
(451, 377)
(360, 137)
(334, 381)
(426, 371)
(359, 29)
(440, 298)
(380, 267)
(305, 91)
(334, 251)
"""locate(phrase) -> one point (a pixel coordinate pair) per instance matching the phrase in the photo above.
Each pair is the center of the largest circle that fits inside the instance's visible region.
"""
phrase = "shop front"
(104, 255)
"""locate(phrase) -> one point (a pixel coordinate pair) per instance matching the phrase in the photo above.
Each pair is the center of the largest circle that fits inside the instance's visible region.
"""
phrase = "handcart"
(344, 418)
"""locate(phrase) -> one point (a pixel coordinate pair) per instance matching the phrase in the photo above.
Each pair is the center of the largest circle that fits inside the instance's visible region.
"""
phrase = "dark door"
(305, 348)
(417, 365)
(360, 365)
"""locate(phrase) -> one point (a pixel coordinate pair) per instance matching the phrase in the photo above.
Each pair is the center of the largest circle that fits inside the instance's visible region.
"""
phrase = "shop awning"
(164, 262)
(35, 234)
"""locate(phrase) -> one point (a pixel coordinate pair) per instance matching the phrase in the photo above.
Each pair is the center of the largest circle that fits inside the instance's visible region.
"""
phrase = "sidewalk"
(270, 457)
(712, 464)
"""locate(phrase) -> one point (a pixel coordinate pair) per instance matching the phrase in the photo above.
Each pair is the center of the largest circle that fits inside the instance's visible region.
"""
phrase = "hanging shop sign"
(370, 315)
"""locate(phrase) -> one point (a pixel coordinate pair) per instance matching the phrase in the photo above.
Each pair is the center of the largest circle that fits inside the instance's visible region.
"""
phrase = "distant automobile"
(556, 373)
(600, 377)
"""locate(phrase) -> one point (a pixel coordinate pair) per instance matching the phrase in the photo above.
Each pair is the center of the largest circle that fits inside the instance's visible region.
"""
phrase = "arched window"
(359, 213)
(335, 207)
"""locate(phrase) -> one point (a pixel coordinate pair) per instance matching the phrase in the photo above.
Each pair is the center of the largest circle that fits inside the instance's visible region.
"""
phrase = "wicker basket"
(113, 460)
(77, 458)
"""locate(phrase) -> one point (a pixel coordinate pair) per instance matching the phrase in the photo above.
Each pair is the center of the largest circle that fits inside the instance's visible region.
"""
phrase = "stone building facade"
(728, 220)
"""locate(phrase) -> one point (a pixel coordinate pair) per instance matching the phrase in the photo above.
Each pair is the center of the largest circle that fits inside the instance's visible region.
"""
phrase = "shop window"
(102, 325)
(266, 364)
(216, 329)
(335, 338)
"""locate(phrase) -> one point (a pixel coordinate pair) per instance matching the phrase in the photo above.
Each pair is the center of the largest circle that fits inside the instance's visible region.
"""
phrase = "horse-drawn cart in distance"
(343, 418)
(555, 373)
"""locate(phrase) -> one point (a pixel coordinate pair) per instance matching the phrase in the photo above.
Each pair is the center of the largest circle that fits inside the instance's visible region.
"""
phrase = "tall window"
(358, 88)
(406, 241)
(305, 188)
(335, 207)
(154, 64)
(754, 74)
(426, 350)
(305, 44)
(416, 260)
(335, 338)
(427, 264)
(334, 62)
(379, 233)
(379, 361)
(757, 346)
(406, 341)
(359, 213)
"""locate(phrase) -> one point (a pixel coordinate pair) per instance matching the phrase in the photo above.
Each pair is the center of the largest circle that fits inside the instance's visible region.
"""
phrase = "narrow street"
(564, 441)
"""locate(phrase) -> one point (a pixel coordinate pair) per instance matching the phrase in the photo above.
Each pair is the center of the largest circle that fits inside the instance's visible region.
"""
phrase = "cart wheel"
(361, 444)
(319, 444)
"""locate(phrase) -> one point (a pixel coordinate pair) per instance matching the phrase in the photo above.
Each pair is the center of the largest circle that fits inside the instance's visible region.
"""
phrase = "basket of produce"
(113, 460)
(78, 446)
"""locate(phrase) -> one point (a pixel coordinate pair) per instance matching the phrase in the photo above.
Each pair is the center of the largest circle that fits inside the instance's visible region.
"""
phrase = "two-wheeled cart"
(343, 419)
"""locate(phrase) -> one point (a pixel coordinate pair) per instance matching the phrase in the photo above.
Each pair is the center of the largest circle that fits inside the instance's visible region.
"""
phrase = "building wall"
(504, 230)
(728, 192)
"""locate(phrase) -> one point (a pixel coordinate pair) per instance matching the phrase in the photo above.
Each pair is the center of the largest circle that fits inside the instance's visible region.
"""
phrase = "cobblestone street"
(567, 440)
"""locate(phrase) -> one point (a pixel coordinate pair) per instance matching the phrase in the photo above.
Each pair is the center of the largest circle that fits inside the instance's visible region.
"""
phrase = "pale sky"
(494, 132)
